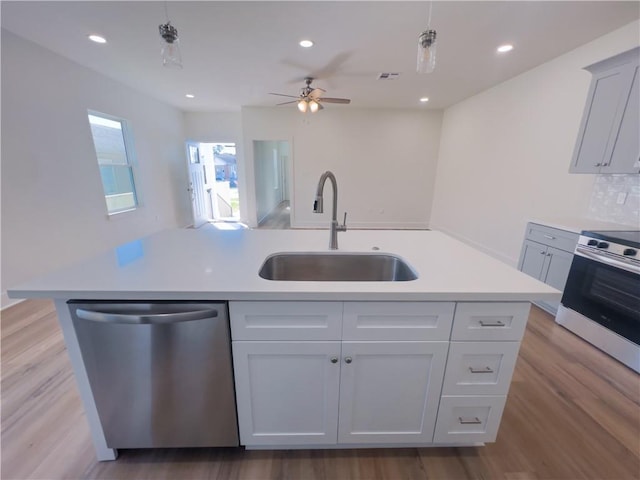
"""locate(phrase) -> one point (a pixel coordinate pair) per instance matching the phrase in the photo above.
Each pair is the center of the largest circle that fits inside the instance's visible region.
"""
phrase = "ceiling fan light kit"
(310, 98)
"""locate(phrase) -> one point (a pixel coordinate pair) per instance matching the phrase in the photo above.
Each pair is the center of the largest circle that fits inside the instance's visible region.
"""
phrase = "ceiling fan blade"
(320, 107)
(317, 92)
(286, 103)
(335, 100)
(283, 95)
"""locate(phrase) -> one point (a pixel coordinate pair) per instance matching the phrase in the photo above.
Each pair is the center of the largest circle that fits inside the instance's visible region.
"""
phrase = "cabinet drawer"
(286, 320)
(468, 419)
(487, 321)
(480, 368)
(397, 320)
(552, 236)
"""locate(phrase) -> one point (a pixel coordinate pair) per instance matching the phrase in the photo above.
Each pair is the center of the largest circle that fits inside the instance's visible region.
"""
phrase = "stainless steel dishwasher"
(160, 373)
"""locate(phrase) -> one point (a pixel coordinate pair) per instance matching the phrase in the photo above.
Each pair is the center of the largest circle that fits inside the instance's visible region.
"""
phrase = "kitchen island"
(331, 356)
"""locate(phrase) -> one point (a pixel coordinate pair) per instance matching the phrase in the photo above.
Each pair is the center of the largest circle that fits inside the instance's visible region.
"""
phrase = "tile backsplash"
(616, 198)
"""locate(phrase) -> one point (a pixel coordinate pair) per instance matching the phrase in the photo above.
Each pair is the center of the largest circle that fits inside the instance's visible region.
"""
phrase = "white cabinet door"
(389, 391)
(625, 151)
(532, 258)
(287, 392)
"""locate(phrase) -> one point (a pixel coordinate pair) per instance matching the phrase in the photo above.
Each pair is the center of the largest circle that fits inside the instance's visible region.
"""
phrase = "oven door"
(606, 294)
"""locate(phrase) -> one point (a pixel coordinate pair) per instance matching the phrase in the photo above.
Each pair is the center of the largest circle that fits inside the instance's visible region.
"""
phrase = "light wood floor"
(572, 413)
(279, 218)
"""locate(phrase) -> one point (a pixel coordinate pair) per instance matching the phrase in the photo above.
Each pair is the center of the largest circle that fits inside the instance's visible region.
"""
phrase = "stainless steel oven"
(601, 299)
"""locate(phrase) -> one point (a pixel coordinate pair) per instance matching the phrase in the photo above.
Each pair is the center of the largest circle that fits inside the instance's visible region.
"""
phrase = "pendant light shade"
(302, 106)
(171, 55)
(426, 51)
(313, 106)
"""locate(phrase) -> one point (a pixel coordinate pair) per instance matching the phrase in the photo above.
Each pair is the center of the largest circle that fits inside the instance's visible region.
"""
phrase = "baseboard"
(6, 302)
(478, 246)
(364, 225)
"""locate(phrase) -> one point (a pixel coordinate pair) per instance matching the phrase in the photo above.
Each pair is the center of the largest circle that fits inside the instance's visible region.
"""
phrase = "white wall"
(384, 161)
(213, 127)
(53, 207)
(505, 153)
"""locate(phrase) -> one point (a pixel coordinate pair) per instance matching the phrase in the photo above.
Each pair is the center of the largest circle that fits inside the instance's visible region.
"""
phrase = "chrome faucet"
(318, 208)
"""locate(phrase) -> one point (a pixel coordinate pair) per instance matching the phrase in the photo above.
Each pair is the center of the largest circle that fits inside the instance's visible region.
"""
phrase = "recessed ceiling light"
(97, 39)
(306, 43)
(190, 95)
(424, 99)
(505, 48)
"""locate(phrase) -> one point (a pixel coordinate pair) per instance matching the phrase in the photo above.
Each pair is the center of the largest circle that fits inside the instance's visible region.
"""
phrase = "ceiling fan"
(310, 98)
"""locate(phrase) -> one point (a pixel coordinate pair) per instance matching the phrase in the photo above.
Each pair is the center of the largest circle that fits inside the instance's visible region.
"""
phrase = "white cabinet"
(608, 139)
(360, 389)
(480, 363)
(547, 254)
(287, 392)
(469, 419)
(389, 391)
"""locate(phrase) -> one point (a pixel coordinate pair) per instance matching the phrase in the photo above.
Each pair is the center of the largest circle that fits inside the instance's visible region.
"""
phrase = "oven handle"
(607, 261)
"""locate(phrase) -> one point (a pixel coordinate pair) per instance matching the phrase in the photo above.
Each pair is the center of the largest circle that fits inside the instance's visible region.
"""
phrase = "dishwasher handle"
(154, 318)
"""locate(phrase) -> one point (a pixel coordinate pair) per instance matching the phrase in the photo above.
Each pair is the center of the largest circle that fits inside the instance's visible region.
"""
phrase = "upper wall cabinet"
(608, 140)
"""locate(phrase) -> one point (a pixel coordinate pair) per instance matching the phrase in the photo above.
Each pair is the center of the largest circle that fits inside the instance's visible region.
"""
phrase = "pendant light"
(427, 48)
(171, 55)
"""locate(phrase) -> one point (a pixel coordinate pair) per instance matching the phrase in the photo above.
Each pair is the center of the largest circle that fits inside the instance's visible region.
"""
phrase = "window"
(112, 141)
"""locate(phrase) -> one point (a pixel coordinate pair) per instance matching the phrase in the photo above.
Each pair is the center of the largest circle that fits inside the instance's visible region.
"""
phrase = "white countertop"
(576, 225)
(210, 264)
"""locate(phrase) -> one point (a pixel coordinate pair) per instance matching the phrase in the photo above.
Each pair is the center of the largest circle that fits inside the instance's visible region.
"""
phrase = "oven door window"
(605, 294)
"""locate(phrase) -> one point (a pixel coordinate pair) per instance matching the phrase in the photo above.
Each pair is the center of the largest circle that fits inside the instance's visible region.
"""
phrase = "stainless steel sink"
(336, 267)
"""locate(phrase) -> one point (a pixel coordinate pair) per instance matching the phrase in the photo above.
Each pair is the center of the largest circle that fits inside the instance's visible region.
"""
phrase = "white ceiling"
(234, 53)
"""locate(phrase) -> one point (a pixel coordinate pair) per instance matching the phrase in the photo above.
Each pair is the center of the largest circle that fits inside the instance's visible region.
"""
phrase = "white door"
(197, 185)
(287, 392)
(389, 391)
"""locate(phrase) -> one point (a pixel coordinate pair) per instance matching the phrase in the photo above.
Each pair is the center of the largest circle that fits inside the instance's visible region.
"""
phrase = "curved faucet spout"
(318, 207)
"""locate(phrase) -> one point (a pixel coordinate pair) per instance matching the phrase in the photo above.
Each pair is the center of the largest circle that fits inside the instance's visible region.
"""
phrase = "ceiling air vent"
(388, 76)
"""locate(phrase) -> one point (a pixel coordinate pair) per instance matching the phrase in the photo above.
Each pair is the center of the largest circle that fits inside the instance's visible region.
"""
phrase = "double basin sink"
(336, 267)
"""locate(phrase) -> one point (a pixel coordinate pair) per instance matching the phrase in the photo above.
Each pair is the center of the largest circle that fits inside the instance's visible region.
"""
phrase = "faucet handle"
(343, 227)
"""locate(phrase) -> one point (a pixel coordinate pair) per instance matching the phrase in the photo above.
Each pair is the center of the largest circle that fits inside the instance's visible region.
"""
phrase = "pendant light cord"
(429, 18)
(166, 12)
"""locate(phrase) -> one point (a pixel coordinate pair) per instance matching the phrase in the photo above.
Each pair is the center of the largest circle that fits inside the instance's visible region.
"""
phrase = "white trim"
(350, 446)
(7, 302)
(324, 225)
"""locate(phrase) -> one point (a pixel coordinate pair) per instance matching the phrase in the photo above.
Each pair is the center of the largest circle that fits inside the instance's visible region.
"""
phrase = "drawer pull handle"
(550, 237)
(473, 421)
(497, 323)
(481, 370)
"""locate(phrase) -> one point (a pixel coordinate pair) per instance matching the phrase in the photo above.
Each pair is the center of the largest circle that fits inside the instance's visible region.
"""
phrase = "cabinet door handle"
(550, 237)
(598, 164)
(497, 323)
(334, 359)
(548, 254)
(348, 359)
(473, 421)
(481, 370)
(542, 252)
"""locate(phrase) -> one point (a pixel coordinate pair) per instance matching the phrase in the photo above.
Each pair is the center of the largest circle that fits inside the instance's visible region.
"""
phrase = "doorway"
(272, 183)
(213, 182)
